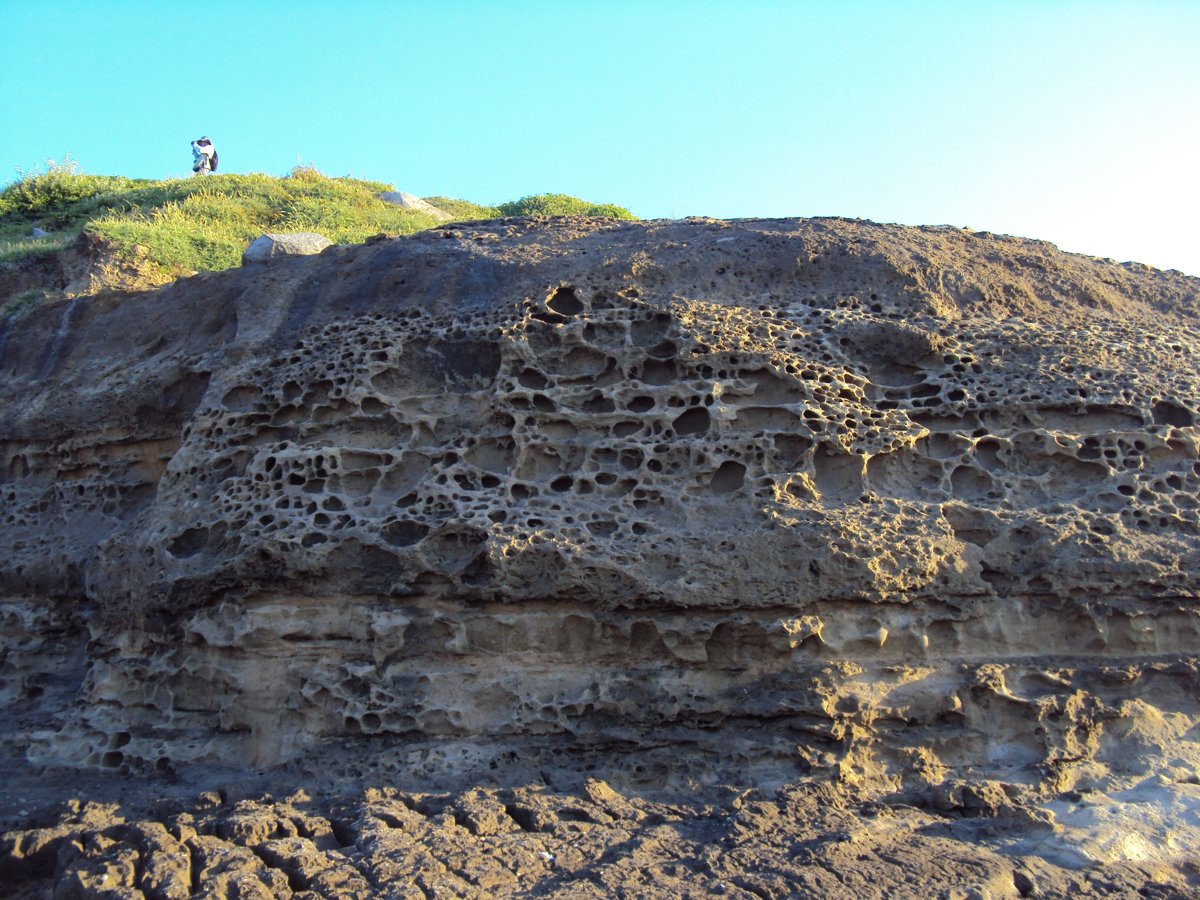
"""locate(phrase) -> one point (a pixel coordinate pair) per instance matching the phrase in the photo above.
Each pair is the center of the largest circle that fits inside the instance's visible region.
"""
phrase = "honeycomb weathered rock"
(904, 505)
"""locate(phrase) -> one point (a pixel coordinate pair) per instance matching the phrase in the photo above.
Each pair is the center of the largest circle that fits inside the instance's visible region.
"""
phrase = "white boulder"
(270, 246)
(416, 204)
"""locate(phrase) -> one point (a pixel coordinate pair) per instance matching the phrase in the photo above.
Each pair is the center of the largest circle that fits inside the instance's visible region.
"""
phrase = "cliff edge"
(904, 512)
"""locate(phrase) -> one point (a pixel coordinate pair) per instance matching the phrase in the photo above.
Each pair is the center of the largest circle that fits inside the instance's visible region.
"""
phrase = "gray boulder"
(416, 204)
(271, 246)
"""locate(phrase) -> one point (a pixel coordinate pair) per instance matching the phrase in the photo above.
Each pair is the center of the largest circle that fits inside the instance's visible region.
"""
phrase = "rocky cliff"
(913, 510)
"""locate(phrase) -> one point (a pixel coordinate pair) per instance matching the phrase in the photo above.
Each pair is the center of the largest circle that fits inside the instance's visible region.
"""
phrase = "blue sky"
(1076, 122)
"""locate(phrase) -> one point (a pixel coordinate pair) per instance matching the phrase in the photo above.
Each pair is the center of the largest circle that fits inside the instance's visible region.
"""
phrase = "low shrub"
(562, 205)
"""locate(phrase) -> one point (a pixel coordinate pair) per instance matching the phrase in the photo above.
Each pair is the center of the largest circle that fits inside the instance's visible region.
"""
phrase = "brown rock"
(908, 510)
(482, 814)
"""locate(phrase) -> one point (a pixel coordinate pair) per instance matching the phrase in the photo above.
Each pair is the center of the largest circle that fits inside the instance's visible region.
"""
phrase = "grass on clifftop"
(203, 224)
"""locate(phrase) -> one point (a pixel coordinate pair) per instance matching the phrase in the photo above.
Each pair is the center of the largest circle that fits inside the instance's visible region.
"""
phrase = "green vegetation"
(206, 223)
(561, 205)
(197, 224)
(19, 304)
(59, 196)
(14, 246)
(464, 210)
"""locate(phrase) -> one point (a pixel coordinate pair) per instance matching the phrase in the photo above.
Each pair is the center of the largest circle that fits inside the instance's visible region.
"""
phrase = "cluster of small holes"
(603, 417)
(58, 500)
(599, 418)
(1027, 422)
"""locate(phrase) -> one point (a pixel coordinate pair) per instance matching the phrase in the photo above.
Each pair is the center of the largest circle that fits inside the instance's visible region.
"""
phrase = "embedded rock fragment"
(271, 246)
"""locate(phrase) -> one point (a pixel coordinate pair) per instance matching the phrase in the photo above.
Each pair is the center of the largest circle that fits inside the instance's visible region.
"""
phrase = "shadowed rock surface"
(893, 524)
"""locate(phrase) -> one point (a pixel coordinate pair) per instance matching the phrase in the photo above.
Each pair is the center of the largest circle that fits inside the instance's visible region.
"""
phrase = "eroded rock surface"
(536, 841)
(911, 511)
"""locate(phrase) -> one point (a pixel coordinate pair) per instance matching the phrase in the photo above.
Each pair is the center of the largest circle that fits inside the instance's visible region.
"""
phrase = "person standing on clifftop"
(204, 156)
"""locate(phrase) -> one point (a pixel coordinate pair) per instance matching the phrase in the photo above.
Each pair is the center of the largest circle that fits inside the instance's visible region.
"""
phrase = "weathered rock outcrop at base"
(912, 512)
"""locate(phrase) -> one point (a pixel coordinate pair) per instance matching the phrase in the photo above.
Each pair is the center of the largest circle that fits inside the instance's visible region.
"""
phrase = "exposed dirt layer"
(89, 265)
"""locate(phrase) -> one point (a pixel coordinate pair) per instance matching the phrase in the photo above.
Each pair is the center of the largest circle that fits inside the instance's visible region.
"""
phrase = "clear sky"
(1076, 122)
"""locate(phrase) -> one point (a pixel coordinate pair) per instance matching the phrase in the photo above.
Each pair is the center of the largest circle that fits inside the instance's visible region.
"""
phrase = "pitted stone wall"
(892, 503)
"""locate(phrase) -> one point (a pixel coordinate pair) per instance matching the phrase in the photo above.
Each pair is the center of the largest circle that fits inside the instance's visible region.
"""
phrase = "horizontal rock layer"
(813, 495)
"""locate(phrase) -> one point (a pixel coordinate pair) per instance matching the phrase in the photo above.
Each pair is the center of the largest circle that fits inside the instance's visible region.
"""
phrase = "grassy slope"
(203, 224)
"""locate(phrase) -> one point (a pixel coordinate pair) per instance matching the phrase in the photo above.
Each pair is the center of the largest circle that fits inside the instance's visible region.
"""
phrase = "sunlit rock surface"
(914, 509)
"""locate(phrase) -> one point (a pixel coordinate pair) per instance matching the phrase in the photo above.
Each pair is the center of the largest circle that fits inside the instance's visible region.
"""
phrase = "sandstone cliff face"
(915, 508)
